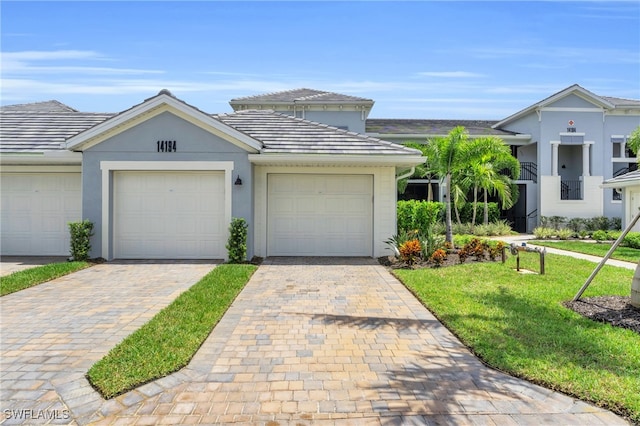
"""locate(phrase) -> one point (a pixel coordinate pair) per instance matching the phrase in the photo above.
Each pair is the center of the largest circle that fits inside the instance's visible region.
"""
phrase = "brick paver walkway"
(338, 341)
(53, 333)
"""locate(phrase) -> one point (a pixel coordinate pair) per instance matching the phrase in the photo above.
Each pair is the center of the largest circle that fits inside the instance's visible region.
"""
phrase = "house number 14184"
(167, 146)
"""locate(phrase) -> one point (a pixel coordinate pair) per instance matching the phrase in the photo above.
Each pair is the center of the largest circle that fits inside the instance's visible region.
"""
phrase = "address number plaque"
(167, 146)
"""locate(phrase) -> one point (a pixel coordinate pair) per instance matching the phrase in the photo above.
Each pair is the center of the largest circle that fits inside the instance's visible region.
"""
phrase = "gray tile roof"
(300, 96)
(431, 127)
(46, 106)
(43, 126)
(280, 133)
(619, 102)
(625, 178)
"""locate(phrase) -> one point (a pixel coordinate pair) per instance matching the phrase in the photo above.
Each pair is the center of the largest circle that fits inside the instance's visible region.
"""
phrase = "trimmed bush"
(600, 235)
(237, 244)
(632, 239)
(415, 215)
(80, 244)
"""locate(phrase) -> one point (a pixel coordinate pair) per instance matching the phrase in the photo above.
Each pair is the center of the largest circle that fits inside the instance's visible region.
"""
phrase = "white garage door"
(36, 209)
(169, 215)
(319, 215)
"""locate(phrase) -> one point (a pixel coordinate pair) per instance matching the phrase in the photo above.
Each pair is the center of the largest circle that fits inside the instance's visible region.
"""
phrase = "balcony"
(571, 190)
(528, 171)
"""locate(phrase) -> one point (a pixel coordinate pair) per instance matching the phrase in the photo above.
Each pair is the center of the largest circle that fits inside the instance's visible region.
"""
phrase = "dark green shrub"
(466, 213)
(80, 244)
(237, 244)
(615, 223)
(576, 224)
(416, 215)
(599, 223)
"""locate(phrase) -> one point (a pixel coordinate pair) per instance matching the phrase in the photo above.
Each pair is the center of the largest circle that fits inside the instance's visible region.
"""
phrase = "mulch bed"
(615, 310)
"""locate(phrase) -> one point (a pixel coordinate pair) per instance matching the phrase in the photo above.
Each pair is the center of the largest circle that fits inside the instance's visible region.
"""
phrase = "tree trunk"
(475, 207)
(449, 227)
(635, 287)
(486, 208)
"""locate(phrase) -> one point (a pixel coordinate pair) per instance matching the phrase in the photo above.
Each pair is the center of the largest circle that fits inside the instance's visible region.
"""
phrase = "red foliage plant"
(410, 251)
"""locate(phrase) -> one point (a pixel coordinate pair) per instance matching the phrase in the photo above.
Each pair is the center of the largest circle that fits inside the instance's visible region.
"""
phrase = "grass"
(596, 249)
(517, 324)
(37, 275)
(170, 339)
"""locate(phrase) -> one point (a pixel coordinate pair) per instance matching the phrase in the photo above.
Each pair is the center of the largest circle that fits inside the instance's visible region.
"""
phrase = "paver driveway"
(338, 341)
(54, 332)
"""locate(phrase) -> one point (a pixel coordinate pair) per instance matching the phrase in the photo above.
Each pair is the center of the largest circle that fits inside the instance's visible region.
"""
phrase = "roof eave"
(396, 160)
(88, 137)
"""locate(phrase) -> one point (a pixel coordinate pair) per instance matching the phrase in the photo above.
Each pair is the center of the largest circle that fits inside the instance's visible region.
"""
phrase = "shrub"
(632, 239)
(438, 257)
(564, 234)
(543, 233)
(600, 235)
(81, 233)
(237, 243)
(396, 241)
(418, 215)
(410, 251)
(496, 250)
(461, 228)
(576, 224)
(554, 222)
(466, 212)
(431, 241)
(599, 223)
(614, 235)
(615, 223)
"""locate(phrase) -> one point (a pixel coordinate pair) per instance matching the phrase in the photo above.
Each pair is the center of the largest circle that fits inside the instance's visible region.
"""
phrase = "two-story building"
(311, 173)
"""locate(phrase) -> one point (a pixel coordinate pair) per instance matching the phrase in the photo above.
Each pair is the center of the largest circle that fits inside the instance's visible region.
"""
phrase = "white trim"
(572, 134)
(108, 167)
(46, 157)
(570, 109)
(151, 108)
(41, 169)
(386, 136)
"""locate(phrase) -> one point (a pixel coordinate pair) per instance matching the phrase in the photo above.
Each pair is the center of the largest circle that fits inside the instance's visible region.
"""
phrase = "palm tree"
(487, 158)
(444, 156)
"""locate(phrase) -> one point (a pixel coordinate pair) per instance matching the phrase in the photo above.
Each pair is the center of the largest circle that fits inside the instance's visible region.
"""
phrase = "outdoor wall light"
(238, 181)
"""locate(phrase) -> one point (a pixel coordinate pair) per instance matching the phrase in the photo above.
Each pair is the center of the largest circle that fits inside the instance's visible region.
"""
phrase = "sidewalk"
(524, 238)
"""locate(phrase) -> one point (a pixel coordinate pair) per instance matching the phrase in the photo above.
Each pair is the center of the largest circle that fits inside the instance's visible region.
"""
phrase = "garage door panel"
(318, 215)
(166, 214)
(36, 208)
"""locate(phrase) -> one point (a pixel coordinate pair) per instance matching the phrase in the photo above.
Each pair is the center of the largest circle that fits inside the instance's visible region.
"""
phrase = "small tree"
(237, 244)
(81, 233)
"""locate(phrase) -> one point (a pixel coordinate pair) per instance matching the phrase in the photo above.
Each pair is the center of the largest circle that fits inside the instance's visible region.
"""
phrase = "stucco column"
(623, 149)
(585, 159)
(554, 158)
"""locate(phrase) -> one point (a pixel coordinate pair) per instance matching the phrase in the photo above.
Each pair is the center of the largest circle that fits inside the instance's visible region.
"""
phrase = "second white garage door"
(36, 209)
(319, 215)
(169, 215)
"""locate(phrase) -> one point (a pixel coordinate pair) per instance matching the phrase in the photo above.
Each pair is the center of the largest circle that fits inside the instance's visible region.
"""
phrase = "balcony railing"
(571, 190)
(528, 171)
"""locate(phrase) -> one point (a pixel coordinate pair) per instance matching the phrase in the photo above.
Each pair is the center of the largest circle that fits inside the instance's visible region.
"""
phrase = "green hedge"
(418, 215)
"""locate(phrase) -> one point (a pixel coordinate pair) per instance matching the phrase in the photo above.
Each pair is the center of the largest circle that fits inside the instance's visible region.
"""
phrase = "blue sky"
(419, 59)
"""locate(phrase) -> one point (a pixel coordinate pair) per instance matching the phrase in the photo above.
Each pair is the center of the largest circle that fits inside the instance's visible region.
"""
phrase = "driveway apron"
(314, 341)
(52, 334)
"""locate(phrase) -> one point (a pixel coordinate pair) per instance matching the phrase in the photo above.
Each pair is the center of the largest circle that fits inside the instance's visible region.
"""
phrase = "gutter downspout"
(409, 173)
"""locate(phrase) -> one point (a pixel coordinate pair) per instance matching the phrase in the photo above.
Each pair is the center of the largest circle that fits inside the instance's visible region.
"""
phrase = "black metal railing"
(632, 168)
(570, 190)
(528, 171)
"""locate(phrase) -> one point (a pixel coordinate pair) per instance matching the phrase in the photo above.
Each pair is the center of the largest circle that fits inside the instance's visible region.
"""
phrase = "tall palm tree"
(444, 156)
(487, 158)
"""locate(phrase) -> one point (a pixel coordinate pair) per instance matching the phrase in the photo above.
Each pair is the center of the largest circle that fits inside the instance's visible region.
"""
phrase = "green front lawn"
(37, 275)
(516, 323)
(171, 338)
(596, 249)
